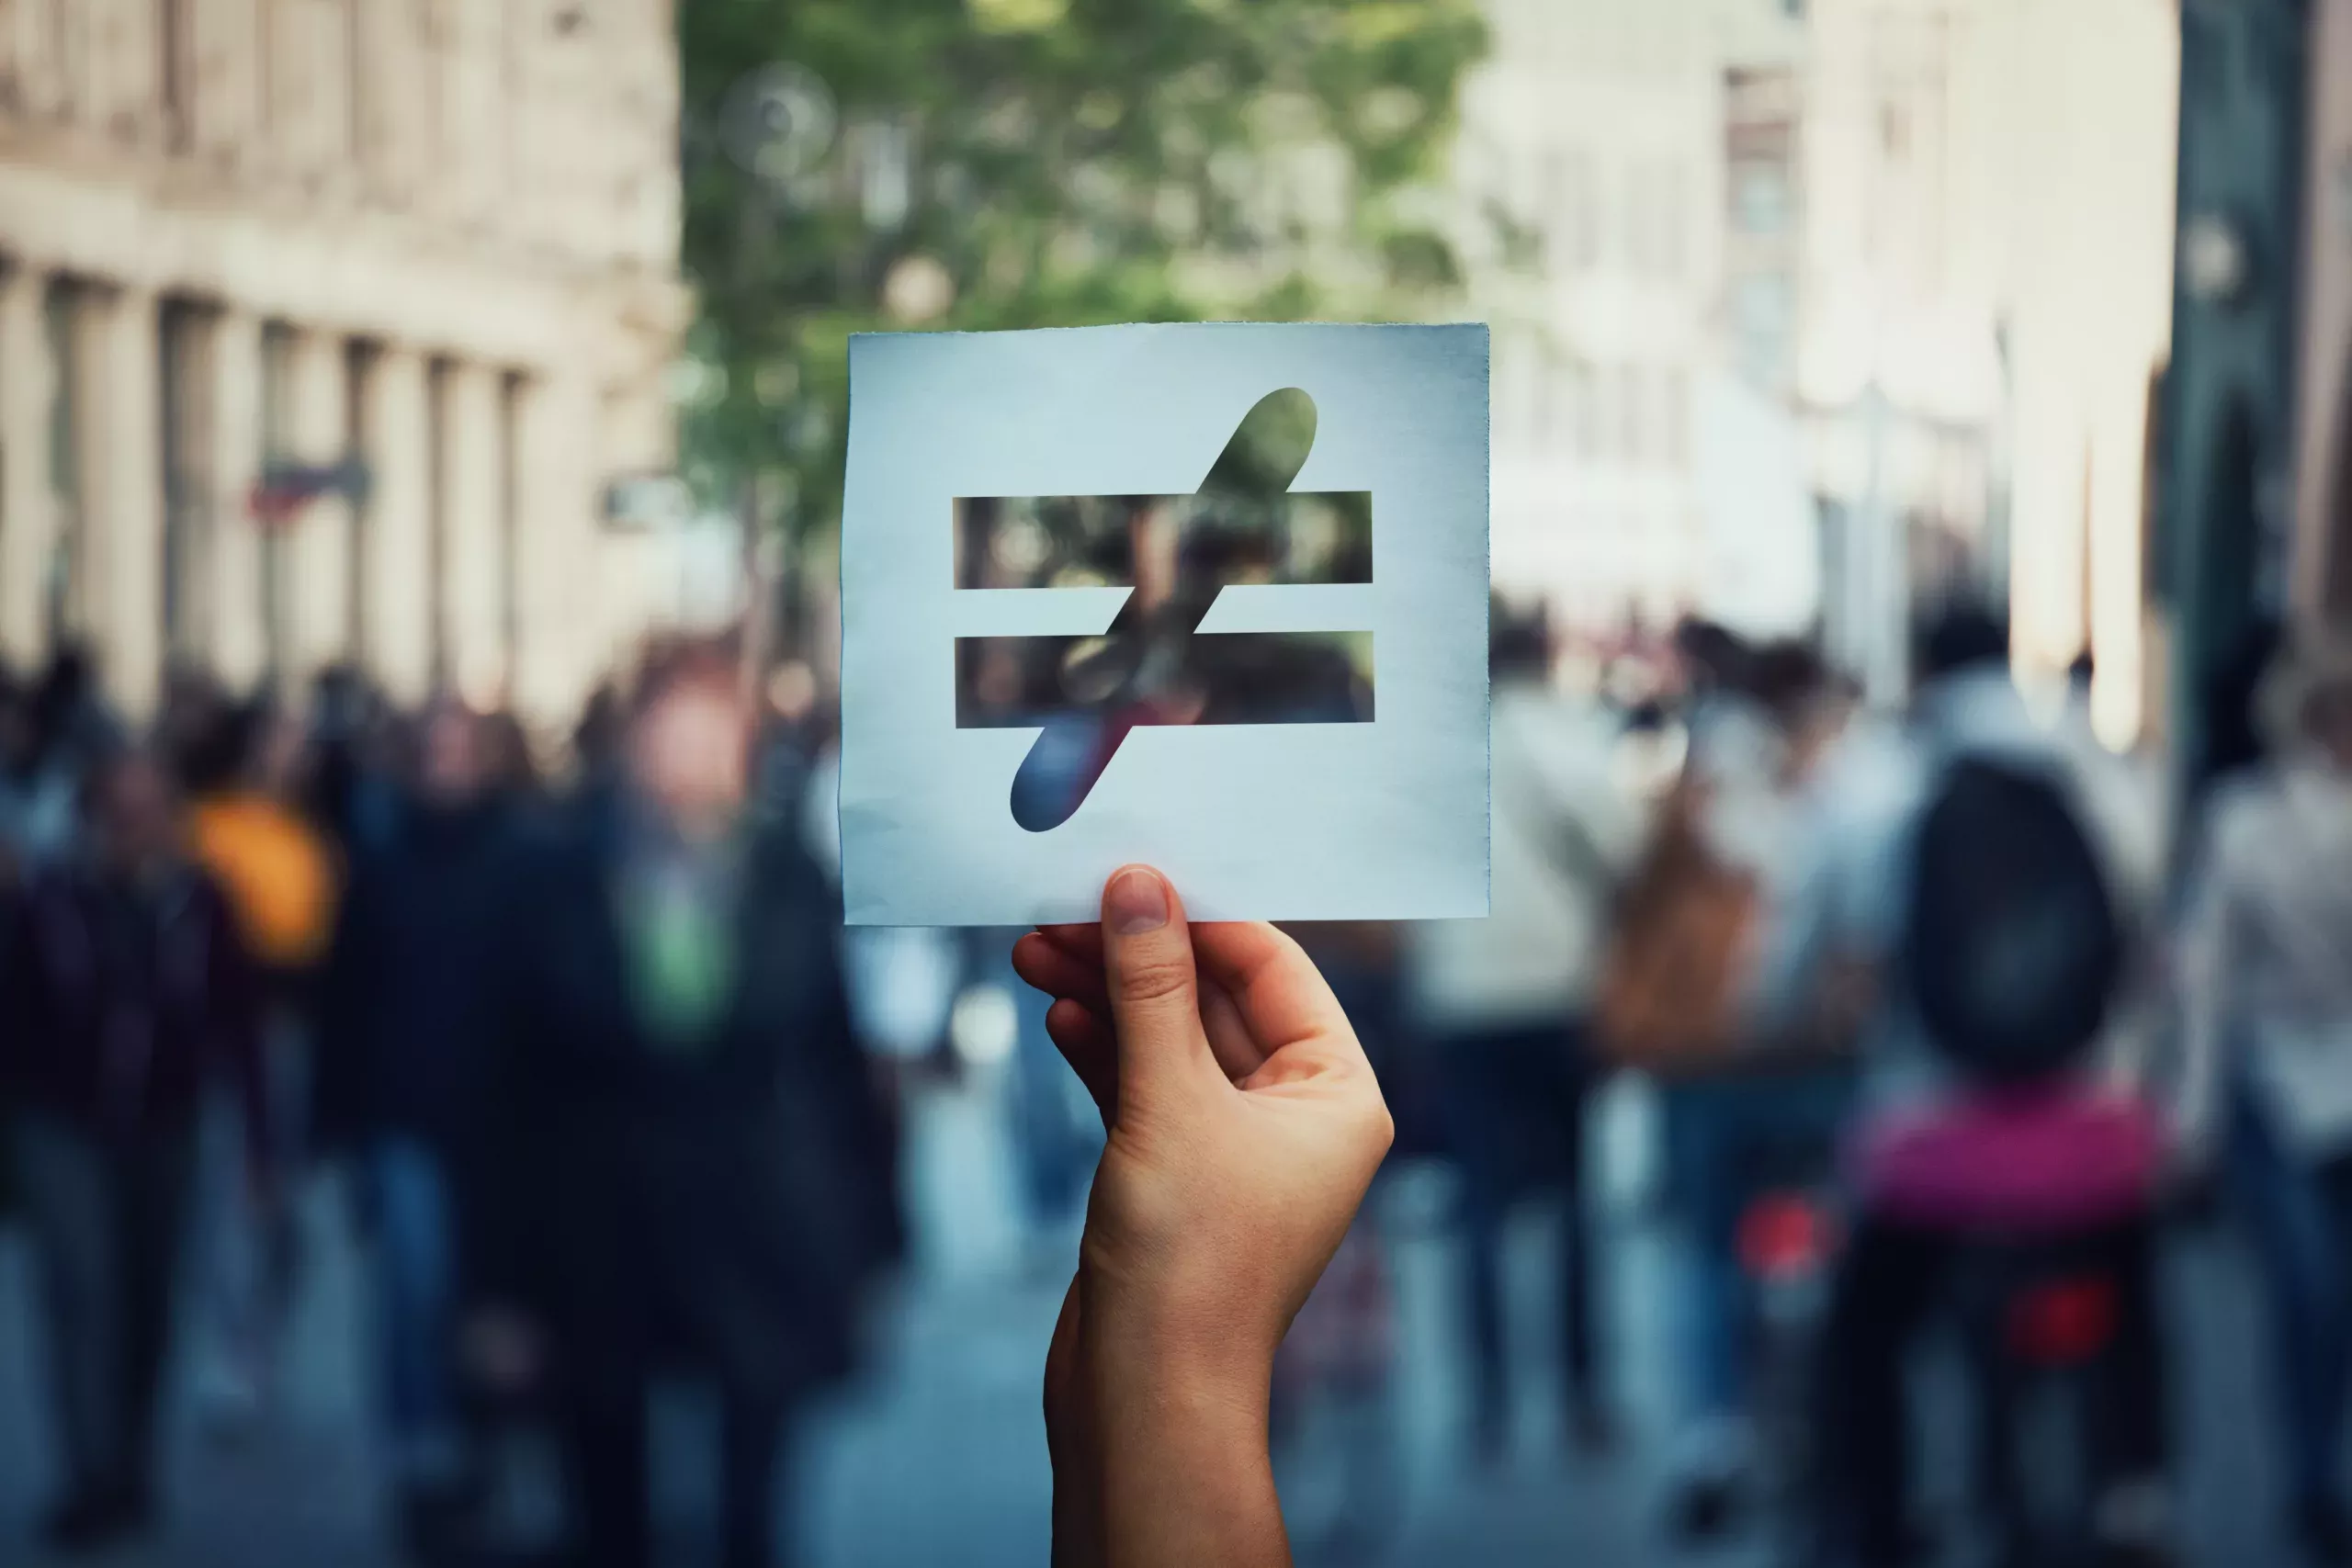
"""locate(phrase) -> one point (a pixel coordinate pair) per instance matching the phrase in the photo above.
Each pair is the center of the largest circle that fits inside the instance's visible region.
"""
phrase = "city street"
(938, 1458)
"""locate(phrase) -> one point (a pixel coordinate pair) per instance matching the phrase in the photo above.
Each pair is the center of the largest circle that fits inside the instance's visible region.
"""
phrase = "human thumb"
(1155, 994)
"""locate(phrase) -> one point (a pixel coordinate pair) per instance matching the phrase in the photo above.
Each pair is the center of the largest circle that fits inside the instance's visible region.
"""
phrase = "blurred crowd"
(1948, 1013)
(579, 1045)
(1951, 1015)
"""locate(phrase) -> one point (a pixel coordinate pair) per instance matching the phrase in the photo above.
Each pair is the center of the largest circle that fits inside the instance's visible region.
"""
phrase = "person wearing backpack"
(1737, 1104)
(1992, 904)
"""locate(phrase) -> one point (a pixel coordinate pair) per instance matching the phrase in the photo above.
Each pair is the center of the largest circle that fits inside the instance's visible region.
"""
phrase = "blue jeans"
(2299, 1213)
(1727, 1141)
(1514, 1101)
(416, 1283)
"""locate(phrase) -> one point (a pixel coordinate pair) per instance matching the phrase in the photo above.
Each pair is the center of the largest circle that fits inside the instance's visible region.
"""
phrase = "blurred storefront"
(327, 330)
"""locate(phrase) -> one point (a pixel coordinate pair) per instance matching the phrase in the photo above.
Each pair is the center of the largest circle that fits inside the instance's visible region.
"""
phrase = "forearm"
(1186, 1476)
(1159, 1455)
(1071, 1447)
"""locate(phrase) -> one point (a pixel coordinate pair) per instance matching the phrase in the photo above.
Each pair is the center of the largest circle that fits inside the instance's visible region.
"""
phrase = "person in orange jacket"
(283, 882)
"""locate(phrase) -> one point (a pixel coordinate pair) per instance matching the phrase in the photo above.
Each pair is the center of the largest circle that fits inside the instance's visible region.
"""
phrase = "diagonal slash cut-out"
(1160, 641)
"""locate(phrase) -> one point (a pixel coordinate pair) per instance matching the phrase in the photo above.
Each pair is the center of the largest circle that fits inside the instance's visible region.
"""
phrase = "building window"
(1760, 200)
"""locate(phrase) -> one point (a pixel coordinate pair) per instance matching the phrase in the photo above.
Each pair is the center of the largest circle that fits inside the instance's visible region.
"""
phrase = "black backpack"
(2013, 949)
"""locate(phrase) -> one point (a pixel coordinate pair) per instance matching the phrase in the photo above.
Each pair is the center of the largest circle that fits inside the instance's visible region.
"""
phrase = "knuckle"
(1150, 977)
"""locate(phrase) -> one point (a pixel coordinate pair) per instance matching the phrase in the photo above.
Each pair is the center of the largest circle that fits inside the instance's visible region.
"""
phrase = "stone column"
(318, 542)
(398, 542)
(121, 452)
(472, 544)
(232, 366)
(28, 513)
(562, 650)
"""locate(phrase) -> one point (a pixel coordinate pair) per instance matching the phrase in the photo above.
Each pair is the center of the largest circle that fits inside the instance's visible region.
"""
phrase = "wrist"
(1185, 1476)
(1197, 1365)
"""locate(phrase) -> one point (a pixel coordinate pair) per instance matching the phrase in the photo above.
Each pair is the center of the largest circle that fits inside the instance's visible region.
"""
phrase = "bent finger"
(1281, 996)
(1047, 967)
(1086, 1043)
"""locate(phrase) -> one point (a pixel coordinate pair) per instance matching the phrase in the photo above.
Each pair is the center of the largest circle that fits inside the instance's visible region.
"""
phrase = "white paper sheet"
(1386, 819)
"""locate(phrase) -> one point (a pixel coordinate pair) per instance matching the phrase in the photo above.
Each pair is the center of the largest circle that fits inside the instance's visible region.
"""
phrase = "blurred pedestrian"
(252, 829)
(251, 776)
(513, 771)
(74, 725)
(1502, 1008)
(127, 989)
(2266, 981)
(688, 1165)
(1747, 1105)
(2228, 702)
(348, 792)
(40, 774)
(1988, 1111)
(597, 737)
(407, 1036)
(19, 768)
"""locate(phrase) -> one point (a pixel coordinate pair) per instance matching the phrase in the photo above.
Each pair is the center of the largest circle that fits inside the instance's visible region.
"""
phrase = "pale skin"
(1244, 1127)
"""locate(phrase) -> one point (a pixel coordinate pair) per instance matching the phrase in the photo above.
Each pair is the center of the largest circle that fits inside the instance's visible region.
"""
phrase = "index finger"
(1082, 942)
(1282, 996)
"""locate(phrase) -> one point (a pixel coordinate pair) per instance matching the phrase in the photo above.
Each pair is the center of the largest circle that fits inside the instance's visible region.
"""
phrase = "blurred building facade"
(1591, 171)
(1987, 304)
(1877, 287)
(438, 236)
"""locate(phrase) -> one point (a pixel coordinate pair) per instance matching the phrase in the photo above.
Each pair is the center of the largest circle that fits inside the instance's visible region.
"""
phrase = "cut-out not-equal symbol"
(1153, 666)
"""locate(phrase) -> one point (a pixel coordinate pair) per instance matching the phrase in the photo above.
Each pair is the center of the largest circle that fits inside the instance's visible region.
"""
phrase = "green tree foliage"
(858, 166)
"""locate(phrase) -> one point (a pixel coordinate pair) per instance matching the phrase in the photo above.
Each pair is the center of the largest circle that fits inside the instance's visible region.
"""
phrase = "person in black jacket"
(690, 1165)
(407, 1034)
(125, 991)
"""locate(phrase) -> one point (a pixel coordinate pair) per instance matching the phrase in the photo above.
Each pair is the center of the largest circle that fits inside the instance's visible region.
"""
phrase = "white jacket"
(1564, 832)
(2266, 952)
